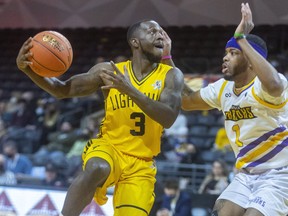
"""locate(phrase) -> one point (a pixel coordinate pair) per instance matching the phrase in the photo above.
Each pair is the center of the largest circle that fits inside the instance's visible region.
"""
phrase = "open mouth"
(224, 68)
(159, 45)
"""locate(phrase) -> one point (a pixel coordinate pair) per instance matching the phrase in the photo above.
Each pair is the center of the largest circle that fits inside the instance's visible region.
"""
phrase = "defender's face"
(151, 40)
(234, 63)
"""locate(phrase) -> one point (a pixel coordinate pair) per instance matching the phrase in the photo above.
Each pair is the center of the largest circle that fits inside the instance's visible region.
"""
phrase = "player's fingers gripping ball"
(52, 54)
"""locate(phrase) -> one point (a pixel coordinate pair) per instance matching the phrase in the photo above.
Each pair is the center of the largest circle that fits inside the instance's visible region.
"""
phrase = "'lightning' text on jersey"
(125, 125)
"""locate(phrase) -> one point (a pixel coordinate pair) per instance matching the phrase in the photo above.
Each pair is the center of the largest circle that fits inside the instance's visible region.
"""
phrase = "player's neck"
(243, 80)
(142, 67)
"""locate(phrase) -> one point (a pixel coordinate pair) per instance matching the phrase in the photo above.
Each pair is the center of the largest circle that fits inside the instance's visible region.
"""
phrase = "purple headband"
(233, 43)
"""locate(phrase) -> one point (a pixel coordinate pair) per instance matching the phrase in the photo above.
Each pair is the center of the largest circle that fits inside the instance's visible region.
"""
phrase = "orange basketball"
(52, 54)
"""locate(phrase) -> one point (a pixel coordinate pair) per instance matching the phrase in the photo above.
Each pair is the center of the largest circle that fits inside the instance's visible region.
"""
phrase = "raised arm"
(77, 86)
(164, 111)
(267, 74)
(191, 100)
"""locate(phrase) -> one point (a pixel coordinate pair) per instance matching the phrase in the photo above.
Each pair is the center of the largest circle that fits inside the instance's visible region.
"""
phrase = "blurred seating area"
(51, 134)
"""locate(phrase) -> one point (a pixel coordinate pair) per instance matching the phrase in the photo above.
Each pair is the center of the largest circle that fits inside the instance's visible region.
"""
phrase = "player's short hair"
(172, 184)
(257, 40)
(133, 28)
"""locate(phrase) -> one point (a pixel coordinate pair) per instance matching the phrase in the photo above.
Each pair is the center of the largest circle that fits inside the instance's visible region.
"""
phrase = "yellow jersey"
(125, 125)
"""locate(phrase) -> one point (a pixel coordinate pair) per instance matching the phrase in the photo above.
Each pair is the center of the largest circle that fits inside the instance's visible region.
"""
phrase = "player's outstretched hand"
(246, 25)
(24, 55)
(119, 81)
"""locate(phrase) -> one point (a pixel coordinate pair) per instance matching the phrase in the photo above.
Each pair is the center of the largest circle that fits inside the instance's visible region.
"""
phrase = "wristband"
(239, 36)
(167, 57)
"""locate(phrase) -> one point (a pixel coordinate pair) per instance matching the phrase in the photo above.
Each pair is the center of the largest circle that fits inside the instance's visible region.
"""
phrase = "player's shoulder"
(174, 72)
(167, 68)
(221, 82)
(121, 64)
(99, 66)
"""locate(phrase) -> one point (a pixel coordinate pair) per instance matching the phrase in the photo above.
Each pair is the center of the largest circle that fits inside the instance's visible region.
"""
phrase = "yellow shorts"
(133, 178)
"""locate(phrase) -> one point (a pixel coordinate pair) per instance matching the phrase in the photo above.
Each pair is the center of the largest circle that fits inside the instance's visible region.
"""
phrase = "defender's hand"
(246, 25)
(167, 44)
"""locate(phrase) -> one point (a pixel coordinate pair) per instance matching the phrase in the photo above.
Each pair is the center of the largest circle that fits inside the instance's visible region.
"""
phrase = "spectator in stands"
(74, 156)
(6, 177)
(217, 181)
(159, 192)
(30, 99)
(3, 130)
(3, 105)
(24, 113)
(63, 139)
(53, 177)
(12, 105)
(178, 132)
(16, 162)
(48, 112)
(232, 174)
(188, 153)
(222, 143)
(9, 107)
(176, 201)
(80, 142)
(177, 136)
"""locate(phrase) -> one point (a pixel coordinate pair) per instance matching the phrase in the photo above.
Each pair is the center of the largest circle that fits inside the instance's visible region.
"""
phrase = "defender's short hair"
(257, 40)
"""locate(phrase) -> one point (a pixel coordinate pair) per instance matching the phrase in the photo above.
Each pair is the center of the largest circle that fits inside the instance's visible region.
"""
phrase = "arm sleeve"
(259, 91)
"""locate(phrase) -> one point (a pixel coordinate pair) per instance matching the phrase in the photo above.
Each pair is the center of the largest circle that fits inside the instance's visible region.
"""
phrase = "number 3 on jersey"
(139, 124)
(236, 129)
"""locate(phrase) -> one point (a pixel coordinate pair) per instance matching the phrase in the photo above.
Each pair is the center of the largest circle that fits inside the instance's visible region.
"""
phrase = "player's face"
(151, 41)
(234, 64)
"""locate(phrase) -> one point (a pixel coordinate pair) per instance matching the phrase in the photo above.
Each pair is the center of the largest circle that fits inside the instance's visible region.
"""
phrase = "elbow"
(167, 125)
(185, 108)
(169, 121)
(59, 96)
(61, 93)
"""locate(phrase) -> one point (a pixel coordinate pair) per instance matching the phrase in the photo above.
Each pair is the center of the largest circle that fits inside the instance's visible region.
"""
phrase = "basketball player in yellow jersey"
(142, 97)
(252, 96)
